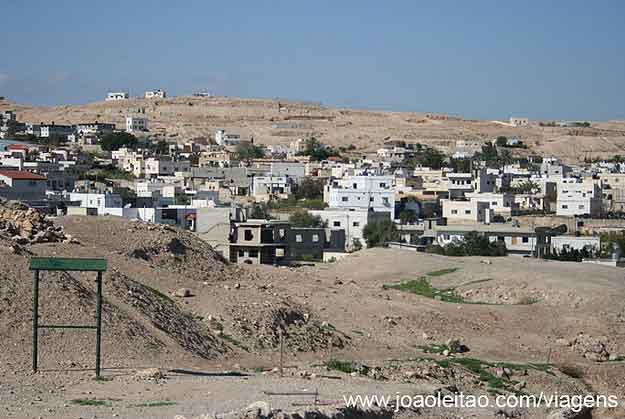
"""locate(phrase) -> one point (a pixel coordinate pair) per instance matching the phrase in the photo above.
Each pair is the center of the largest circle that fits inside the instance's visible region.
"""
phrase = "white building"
(465, 212)
(117, 96)
(500, 203)
(579, 198)
(155, 94)
(352, 221)
(134, 124)
(518, 240)
(519, 122)
(589, 243)
(99, 201)
(223, 139)
(374, 193)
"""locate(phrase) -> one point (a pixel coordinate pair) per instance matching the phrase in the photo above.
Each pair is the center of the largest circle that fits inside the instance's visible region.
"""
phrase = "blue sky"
(479, 59)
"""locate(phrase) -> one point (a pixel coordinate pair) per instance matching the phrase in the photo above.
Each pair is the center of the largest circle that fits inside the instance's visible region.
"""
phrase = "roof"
(17, 147)
(486, 228)
(21, 175)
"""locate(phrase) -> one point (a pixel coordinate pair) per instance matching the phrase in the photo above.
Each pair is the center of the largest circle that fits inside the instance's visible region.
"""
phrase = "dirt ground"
(557, 326)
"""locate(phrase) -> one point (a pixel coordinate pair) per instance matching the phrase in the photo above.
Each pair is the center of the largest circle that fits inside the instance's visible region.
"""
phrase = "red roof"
(21, 175)
(17, 147)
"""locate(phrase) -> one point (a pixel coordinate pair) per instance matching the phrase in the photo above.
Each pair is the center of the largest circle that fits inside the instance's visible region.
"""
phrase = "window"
(382, 185)
(344, 199)
(355, 186)
(241, 253)
(501, 238)
(315, 238)
(526, 239)
(467, 211)
(253, 253)
(581, 206)
(336, 224)
(454, 211)
(247, 235)
(385, 200)
(298, 238)
(565, 206)
(371, 199)
(356, 224)
(494, 203)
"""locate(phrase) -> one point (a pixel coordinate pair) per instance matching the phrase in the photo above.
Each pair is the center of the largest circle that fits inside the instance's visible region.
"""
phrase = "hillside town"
(310, 202)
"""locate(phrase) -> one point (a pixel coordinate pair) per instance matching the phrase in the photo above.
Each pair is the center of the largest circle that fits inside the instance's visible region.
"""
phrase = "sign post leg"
(35, 318)
(98, 324)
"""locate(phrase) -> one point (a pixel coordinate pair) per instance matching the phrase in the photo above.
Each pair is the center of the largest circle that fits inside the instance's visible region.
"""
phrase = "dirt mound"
(165, 315)
(263, 326)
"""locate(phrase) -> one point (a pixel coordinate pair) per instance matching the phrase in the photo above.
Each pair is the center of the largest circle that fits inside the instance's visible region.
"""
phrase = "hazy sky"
(483, 59)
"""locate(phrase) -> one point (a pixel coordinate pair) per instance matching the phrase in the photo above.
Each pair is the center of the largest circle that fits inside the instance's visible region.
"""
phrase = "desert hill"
(279, 122)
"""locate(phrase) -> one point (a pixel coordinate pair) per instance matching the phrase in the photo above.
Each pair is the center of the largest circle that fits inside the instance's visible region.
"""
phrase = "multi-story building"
(136, 124)
(266, 187)
(224, 139)
(579, 198)
(613, 185)
(459, 184)
(375, 193)
(94, 128)
(55, 131)
(466, 212)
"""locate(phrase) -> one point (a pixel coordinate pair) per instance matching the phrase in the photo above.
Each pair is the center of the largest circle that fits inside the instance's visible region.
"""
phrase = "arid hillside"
(276, 122)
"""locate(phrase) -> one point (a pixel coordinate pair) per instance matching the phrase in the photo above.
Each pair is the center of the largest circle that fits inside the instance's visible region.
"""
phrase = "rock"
(613, 357)
(260, 408)
(486, 261)
(150, 374)
(411, 374)
(183, 292)
(563, 342)
(584, 413)
(456, 346)
(445, 352)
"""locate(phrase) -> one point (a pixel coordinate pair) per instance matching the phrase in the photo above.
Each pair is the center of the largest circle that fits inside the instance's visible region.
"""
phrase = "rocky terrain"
(279, 122)
(186, 333)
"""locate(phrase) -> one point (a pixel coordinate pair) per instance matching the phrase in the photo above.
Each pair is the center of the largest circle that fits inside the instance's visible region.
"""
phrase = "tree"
(501, 141)
(259, 212)
(505, 158)
(407, 216)
(310, 188)
(117, 140)
(380, 232)
(249, 151)
(302, 218)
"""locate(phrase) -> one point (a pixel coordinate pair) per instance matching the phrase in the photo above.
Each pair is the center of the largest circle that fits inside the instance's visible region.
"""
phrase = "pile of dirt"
(264, 325)
(164, 314)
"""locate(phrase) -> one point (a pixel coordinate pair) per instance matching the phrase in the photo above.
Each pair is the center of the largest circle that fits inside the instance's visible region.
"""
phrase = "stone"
(183, 292)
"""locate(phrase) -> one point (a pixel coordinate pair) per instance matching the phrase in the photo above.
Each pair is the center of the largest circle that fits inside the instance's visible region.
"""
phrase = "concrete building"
(579, 198)
(374, 193)
(98, 201)
(117, 96)
(155, 94)
(136, 124)
(224, 139)
(22, 185)
(465, 212)
(590, 243)
(55, 131)
(352, 222)
(459, 184)
(94, 128)
(613, 186)
(267, 187)
(522, 241)
(500, 203)
(519, 122)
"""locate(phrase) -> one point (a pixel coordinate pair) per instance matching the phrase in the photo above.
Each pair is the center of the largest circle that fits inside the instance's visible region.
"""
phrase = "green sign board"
(67, 264)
